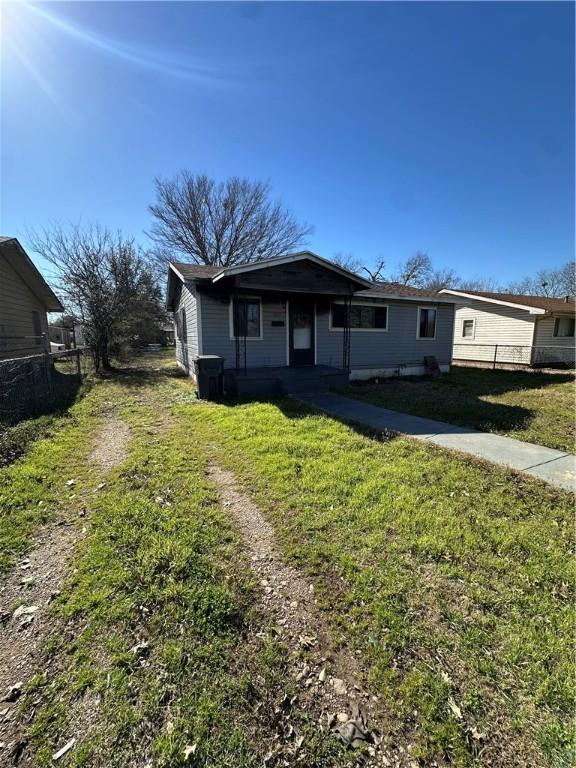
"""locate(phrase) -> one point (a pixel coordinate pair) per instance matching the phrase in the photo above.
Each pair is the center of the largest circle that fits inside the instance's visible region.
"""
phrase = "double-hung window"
(246, 318)
(363, 317)
(564, 327)
(426, 323)
(468, 329)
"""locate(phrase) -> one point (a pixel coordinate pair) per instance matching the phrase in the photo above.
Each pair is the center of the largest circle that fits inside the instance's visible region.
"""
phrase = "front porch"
(280, 381)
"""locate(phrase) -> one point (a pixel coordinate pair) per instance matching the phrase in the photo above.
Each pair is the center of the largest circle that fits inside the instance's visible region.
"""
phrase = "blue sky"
(390, 127)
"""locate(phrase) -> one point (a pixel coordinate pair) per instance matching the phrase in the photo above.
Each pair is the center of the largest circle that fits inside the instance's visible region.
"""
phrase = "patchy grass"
(535, 407)
(33, 490)
(15, 439)
(450, 576)
(451, 579)
(156, 651)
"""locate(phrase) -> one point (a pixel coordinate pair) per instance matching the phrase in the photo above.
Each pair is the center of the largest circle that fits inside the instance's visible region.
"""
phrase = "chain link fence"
(502, 355)
(39, 383)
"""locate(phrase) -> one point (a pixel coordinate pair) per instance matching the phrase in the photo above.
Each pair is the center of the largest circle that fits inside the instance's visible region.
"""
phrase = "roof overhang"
(489, 300)
(22, 264)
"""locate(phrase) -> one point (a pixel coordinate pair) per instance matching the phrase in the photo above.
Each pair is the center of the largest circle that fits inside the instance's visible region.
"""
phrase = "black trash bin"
(209, 371)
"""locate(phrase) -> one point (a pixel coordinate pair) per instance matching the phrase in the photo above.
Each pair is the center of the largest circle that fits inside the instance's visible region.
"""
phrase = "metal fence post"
(47, 364)
(495, 356)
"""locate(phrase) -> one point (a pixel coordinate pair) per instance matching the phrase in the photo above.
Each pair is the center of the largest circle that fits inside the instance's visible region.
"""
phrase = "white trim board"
(472, 296)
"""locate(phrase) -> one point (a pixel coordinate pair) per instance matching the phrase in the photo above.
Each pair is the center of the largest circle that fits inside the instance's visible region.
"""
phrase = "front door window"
(301, 334)
(302, 330)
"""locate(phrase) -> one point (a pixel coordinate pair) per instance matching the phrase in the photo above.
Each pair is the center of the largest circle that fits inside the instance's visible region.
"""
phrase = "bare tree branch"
(347, 261)
(105, 282)
(233, 222)
(548, 282)
(415, 271)
(441, 278)
(376, 273)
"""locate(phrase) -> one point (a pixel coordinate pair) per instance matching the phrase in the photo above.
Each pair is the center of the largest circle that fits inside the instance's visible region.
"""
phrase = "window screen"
(361, 316)
(564, 326)
(427, 324)
(247, 318)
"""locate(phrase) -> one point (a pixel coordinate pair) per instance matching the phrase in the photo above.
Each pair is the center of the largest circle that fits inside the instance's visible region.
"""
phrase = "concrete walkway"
(555, 467)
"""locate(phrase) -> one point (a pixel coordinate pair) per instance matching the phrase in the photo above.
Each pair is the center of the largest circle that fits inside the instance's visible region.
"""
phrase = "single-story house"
(513, 328)
(285, 321)
(25, 298)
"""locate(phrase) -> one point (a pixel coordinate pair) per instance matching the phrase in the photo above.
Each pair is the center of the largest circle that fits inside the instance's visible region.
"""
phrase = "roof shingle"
(196, 271)
(547, 303)
(398, 289)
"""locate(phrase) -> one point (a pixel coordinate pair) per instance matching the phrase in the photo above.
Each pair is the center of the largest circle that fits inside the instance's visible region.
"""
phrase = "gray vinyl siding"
(186, 352)
(510, 328)
(396, 348)
(268, 351)
(17, 303)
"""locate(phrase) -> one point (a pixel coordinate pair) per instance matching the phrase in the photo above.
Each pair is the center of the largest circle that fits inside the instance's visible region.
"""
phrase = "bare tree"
(226, 223)
(376, 273)
(568, 279)
(415, 271)
(105, 282)
(441, 278)
(489, 284)
(347, 261)
(548, 282)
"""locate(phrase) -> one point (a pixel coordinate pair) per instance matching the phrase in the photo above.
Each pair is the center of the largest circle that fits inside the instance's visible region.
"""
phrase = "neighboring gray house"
(512, 328)
(288, 319)
(25, 298)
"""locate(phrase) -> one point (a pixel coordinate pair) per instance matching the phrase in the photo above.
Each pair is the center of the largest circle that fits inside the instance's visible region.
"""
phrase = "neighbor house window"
(426, 323)
(468, 329)
(564, 326)
(36, 327)
(363, 317)
(246, 318)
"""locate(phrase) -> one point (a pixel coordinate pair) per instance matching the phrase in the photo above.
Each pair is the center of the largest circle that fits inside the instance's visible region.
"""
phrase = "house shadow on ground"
(463, 397)
(457, 398)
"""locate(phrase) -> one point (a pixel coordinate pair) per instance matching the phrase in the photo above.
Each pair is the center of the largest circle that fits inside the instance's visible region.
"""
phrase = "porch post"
(235, 327)
(239, 318)
(346, 335)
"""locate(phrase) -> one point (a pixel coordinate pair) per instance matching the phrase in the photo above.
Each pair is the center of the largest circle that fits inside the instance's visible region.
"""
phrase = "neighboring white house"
(512, 328)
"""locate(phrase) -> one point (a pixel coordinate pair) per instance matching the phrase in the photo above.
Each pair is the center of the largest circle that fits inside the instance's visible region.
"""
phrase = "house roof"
(533, 304)
(202, 272)
(21, 263)
(368, 289)
(386, 290)
(194, 271)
